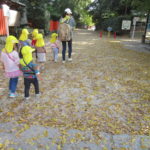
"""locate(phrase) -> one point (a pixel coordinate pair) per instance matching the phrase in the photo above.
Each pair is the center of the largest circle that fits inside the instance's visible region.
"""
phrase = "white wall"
(14, 18)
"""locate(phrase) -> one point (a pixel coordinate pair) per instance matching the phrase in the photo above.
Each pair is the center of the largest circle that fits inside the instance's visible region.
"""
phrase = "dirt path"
(103, 95)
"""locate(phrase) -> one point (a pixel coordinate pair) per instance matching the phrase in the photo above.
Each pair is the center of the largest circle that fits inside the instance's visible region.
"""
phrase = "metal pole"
(133, 33)
(146, 27)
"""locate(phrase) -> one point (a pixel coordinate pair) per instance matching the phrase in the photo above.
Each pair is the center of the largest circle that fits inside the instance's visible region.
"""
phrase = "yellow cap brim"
(32, 50)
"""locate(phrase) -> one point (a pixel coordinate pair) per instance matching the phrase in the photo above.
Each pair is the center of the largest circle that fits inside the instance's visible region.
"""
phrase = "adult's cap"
(68, 11)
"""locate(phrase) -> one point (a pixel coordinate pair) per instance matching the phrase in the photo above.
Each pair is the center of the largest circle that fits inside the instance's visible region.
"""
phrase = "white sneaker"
(55, 61)
(69, 59)
(37, 95)
(63, 61)
(12, 95)
(26, 98)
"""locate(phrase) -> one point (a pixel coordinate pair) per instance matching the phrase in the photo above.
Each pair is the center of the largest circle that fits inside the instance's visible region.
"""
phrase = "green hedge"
(115, 23)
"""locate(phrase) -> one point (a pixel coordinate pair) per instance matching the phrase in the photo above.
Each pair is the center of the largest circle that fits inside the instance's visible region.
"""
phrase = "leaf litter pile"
(106, 88)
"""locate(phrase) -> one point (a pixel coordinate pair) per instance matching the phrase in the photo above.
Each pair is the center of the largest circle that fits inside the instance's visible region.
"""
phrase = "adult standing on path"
(68, 19)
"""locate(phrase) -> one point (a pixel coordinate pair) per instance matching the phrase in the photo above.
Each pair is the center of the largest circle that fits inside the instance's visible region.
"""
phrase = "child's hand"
(2, 66)
(39, 77)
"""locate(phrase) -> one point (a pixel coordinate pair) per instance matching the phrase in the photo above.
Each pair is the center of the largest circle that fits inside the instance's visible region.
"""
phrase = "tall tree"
(102, 9)
(141, 5)
(37, 10)
(37, 13)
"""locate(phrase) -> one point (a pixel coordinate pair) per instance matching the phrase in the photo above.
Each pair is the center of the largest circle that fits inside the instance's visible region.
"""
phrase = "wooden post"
(101, 34)
(114, 35)
(108, 34)
(6, 15)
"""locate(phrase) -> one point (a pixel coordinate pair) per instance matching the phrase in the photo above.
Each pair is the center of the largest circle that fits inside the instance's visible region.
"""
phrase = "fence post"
(101, 34)
(114, 35)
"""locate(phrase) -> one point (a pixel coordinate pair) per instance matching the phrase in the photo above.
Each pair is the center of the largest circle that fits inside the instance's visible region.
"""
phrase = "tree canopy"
(37, 11)
(84, 11)
(105, 9)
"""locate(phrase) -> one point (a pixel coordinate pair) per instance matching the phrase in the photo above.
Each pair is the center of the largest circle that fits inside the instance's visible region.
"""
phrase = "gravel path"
(99, 101)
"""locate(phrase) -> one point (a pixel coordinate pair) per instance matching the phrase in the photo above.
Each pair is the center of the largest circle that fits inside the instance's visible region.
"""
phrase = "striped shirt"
(27, 72)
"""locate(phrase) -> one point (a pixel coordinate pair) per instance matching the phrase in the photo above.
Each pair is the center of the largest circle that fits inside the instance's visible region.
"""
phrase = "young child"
(10, 60)
(55, 45)
(41, 51)
(30, 71)
(23, 39)
(34, 34)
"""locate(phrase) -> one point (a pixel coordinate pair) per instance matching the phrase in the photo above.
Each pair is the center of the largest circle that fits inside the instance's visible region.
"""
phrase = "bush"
(115, 23)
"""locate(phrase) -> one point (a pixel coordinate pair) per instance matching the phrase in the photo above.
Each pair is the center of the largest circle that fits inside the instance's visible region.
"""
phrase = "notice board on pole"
(126, 24)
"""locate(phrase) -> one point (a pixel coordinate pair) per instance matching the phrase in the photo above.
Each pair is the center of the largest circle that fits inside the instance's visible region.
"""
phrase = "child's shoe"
(37, 95)
(69, 59)
(12, 95)
(63, 61)
(26, 98)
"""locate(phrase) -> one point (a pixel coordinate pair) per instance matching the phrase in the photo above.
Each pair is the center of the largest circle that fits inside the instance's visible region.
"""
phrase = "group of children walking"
(17, 60)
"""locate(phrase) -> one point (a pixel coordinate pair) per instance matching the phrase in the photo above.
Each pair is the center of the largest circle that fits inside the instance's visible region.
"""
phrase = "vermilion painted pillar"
(3, 30)
(101, 34)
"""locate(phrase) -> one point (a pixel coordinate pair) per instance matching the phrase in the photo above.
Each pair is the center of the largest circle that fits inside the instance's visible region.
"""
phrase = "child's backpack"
(20, 53)
(64, 32)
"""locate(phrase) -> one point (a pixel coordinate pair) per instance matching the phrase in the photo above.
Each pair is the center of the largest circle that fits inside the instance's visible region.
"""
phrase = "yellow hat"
(10, 41)
(53, 37)
(34, 33)
(40, 41)
(24, 35)
(27, 55)
(26, 50)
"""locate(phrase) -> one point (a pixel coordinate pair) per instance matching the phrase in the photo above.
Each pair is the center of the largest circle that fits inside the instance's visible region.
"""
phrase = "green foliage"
(100, 10)
(141, 5)
(57, 7)
(115, 23)
(88, 20)
(37, 14)
(82, 14)
(104, 11)
(37, 11)
(78, 8)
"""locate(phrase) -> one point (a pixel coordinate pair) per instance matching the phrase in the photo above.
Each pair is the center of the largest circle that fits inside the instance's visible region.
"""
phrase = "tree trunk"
(126, 8)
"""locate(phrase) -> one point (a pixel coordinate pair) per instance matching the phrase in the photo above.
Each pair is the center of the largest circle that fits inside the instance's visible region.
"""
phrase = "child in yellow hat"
(55, 45)
(34, 34)
(30, 71)
(23, 40)
(10, 61)
(40, 48)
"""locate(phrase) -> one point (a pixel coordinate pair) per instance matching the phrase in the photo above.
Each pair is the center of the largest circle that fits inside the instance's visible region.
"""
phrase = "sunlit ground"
(105, 89)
